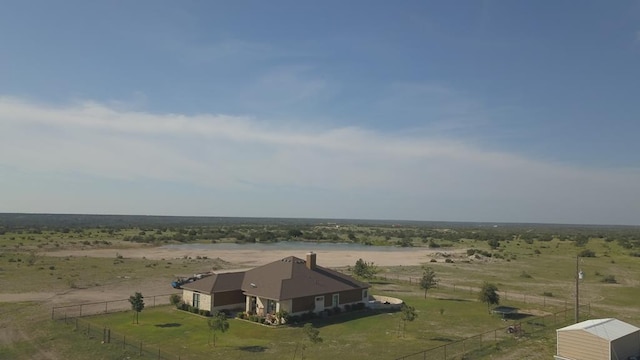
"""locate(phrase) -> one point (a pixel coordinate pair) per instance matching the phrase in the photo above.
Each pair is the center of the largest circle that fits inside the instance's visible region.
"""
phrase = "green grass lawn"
(354, 335)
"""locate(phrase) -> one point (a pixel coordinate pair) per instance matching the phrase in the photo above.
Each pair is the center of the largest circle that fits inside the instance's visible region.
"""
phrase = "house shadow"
(253, 349)
(168, 325)
(320, 322)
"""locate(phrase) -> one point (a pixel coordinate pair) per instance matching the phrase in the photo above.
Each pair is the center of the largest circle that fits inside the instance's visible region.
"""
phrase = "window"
(252, 305)
(196, 300)
(335, 300)
(271, 306)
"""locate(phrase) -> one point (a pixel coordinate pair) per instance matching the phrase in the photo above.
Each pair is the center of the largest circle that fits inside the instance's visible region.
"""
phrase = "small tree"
(137, 304)
(312, 335)
(364, 269)
(218, 323)
(408, 314)
(489, 295)
(175, 300)
(428, 280)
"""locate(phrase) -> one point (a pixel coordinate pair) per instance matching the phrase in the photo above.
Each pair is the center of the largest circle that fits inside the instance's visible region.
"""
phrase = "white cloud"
(413, 176)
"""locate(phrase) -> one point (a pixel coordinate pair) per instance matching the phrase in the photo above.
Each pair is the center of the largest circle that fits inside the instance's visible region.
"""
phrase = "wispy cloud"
(423, 177)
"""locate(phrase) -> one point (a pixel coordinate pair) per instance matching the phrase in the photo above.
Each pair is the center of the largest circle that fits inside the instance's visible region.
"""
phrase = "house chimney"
(311, 260)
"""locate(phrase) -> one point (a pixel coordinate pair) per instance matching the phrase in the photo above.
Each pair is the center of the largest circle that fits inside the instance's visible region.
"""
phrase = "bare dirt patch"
(252, 257)
(235, 258)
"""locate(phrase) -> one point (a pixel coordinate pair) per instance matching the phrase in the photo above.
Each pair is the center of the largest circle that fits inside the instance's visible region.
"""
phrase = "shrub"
(174, 299)
(525, 275)
(241, 315)
(282, 316)
(294, 319)
(337, 310)
(347, 307)
(484, 253)
(609, 279)
(471, 252)
(537, 252)
(449, 261)
(587, 253)
(433, 260)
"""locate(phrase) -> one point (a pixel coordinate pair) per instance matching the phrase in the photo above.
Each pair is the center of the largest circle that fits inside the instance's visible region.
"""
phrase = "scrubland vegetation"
(532, 266)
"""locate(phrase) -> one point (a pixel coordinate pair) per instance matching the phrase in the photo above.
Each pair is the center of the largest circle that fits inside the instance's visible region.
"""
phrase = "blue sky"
(505, 111)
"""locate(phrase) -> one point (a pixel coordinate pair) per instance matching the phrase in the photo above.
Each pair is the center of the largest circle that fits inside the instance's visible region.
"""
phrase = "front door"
(319, 303)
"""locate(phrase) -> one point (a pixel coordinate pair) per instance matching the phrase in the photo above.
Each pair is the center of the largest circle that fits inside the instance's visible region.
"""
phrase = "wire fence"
(457, 350)
(506, 336)
(504, 295)
(105, 307)
(130, 347)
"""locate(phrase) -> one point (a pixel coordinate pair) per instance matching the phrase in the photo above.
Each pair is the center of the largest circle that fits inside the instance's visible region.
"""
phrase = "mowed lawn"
(360, 335)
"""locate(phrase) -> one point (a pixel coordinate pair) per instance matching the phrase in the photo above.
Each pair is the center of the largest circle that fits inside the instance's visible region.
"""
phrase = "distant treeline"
(158, 229)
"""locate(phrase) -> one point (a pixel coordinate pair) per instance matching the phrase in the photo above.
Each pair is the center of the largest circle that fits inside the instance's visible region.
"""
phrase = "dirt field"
(239, 258)
(251, 258)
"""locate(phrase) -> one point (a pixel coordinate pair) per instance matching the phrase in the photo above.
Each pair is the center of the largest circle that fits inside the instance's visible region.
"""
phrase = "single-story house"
(216, 292)
(290, 284)
(598, 339)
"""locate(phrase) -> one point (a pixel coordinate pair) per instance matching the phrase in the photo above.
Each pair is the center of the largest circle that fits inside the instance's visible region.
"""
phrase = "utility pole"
(577, 274)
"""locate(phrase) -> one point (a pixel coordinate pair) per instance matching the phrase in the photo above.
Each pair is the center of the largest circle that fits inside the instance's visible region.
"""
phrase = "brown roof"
(290, 278)
(217, 283)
